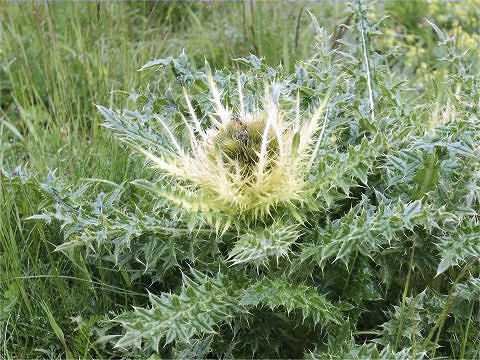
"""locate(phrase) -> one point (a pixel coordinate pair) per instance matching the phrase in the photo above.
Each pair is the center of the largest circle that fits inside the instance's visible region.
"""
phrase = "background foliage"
(92, 265)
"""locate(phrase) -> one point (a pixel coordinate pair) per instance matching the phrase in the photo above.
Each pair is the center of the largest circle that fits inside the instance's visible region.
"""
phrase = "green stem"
(349, 275)
(464, 342)
(446, 309)
(404, 296)
(367, 332)
(367, 63)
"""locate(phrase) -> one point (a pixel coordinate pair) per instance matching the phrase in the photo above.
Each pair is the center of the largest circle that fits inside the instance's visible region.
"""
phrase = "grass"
(56, 62)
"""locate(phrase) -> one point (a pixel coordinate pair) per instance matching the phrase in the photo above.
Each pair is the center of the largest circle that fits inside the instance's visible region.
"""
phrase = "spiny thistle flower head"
(248, 163)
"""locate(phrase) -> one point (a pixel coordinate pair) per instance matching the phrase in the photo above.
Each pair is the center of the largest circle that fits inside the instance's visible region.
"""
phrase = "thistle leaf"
(201, 306)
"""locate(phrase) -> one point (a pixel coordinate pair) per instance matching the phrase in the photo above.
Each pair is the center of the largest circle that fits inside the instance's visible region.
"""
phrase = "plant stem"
(297, 28)
(404, 296)
(446, 309)
(464, 342)
(367, 64)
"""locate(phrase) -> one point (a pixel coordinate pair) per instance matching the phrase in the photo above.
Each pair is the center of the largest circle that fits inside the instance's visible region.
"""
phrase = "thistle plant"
(246, 165)
(312, 214)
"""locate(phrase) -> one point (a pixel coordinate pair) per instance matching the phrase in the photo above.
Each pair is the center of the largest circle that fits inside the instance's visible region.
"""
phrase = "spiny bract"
(247, 163)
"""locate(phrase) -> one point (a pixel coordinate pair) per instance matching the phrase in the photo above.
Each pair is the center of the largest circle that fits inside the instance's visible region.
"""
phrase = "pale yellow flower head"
(247, 164)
